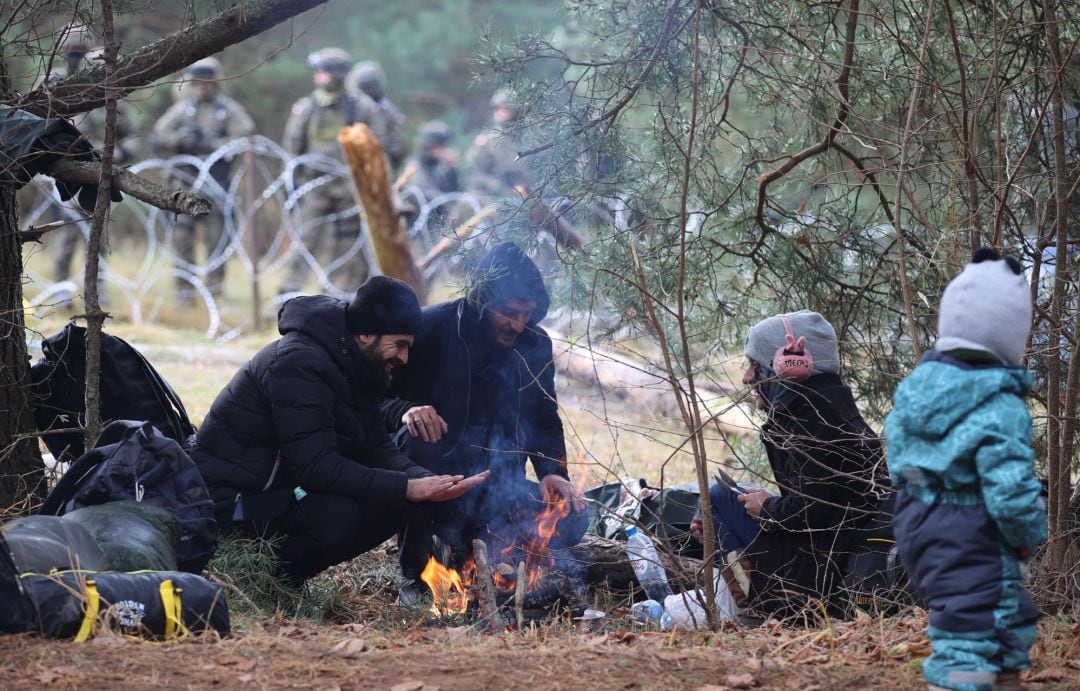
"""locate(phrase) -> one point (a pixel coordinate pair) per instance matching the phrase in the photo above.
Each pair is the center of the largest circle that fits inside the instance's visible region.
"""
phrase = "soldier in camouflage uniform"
(77, 54)
(492, 163)
(436, 167)
(436, 164)
(198, 124)
(312, 128)
(388, 123)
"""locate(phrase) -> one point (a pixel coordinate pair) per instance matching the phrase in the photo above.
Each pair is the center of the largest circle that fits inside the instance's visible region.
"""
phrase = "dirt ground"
(277, 654)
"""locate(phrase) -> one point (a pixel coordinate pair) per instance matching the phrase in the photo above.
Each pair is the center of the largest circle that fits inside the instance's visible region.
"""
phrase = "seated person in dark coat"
(827, 463)
(295, 445)
(478, 395)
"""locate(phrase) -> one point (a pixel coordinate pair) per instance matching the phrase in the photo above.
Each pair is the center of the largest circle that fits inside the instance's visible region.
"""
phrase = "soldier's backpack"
(131, 389)
(134, 461)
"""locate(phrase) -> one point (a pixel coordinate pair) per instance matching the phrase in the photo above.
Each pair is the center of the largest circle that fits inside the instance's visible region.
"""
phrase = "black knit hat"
(384, 305)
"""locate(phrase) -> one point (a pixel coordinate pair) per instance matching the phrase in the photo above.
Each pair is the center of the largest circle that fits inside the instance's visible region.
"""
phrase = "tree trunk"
(21, 471)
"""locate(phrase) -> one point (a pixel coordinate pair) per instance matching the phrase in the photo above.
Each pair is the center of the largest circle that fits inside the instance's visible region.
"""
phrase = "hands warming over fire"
(424, 422)
(442, 487)
(556, 486)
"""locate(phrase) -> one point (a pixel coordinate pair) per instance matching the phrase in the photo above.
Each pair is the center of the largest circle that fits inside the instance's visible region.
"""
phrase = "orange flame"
(450, 592)
(537, 550)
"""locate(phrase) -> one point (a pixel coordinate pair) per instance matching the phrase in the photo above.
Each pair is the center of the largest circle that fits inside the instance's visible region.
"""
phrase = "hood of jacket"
(942, 391)
(321, 318)
(504, 273)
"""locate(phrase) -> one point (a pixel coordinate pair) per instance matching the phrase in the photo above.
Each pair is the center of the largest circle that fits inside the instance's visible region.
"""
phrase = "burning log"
(554, 590)
(371, 183)
(484, 587)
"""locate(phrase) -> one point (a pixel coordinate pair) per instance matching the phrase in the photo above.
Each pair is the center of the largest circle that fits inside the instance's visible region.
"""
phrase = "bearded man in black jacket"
(295, 445)
(477, 397)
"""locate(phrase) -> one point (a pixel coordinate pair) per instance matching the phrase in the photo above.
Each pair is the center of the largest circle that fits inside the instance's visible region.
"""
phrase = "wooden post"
(254, 240)
(371, 184)
(484, 587)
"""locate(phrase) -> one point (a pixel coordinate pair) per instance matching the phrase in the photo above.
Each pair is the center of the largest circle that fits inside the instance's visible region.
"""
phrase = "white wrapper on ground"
(687, 610)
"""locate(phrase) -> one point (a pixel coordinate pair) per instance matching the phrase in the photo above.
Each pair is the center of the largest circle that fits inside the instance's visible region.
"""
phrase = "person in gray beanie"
(826, 462)
(295, 445)
(968, 515)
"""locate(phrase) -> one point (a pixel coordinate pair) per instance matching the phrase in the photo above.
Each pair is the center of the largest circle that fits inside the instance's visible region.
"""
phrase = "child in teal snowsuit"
(968, 513)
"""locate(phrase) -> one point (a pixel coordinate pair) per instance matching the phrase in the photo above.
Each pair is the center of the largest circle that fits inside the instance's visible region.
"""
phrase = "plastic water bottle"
(646, 563)
(647, 611)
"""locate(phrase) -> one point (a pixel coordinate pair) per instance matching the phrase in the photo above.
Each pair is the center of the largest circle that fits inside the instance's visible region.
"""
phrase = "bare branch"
(86, 89)
(177, 201)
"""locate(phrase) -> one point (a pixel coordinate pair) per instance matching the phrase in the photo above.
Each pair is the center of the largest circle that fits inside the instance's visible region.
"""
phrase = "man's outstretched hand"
(442, 487)
(558, 486)
(424, 422)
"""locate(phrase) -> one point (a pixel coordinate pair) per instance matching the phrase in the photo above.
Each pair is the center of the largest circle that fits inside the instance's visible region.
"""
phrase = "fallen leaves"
(350, 647)
(413, 685)
(740, 681)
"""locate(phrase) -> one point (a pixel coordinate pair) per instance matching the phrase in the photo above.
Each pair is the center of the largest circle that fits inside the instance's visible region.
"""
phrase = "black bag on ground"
(874, 578)
(134, 535)
(133, 460)
(131, 389)
(151, 604)
(667, 515)
(40, 544)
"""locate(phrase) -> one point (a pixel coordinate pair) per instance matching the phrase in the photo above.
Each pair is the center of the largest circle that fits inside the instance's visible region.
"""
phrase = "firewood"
(519, 595)
(484, 587)
(371, 183)
(605, 561)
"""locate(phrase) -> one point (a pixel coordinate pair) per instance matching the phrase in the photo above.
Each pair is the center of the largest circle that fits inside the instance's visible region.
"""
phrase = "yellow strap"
(93, 603)
(170, 602)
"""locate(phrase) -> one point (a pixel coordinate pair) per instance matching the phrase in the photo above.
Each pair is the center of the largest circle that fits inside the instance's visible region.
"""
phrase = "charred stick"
(484, 587)
(519, 595)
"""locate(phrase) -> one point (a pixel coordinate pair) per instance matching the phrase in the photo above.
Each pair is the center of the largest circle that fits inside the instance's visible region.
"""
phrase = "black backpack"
(873, 578)
(133, 460)
(131, 389)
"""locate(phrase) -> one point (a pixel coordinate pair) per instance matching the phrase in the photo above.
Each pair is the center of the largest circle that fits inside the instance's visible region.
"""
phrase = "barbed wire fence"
(264, 227)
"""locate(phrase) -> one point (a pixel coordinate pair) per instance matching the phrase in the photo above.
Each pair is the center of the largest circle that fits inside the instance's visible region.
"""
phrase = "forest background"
(838, 157)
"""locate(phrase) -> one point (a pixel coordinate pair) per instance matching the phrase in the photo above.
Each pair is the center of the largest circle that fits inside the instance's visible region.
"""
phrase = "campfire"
(449, 588)
(527, 582)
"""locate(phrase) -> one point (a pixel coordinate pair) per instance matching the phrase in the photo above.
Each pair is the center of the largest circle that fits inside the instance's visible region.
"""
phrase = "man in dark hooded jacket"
(479, 395)
(295, 446)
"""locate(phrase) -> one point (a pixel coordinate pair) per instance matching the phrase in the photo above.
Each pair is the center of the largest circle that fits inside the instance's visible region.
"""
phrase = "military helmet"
(367, 76)
(207, 68)
(333, 60)
(432, 134)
